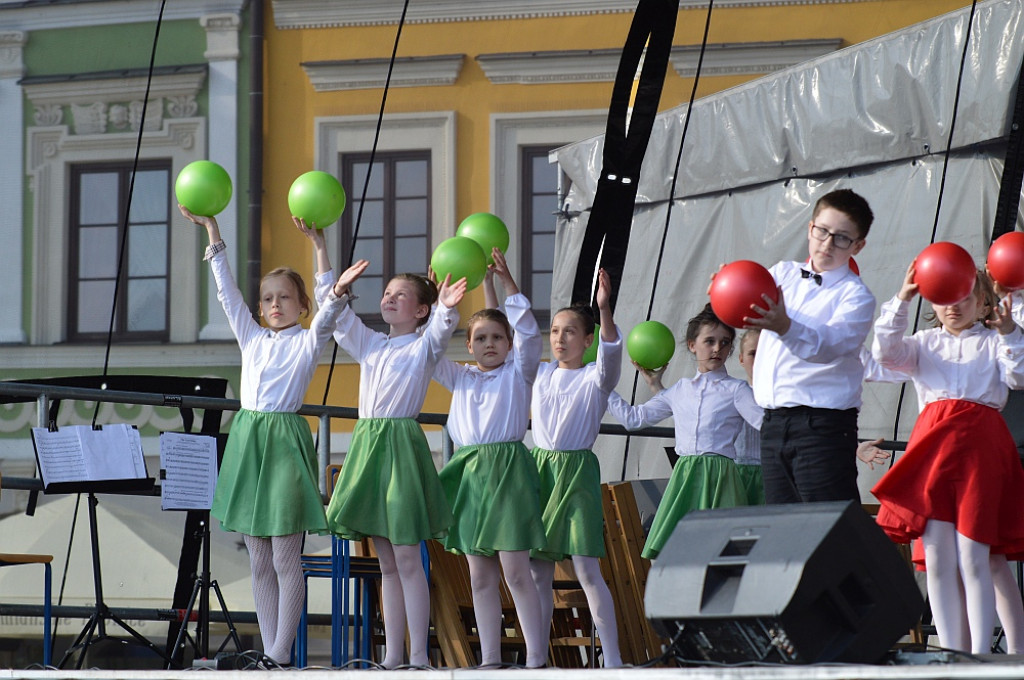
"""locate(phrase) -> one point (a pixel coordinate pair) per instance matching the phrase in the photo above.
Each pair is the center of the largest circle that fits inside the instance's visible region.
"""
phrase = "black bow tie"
(811, 275)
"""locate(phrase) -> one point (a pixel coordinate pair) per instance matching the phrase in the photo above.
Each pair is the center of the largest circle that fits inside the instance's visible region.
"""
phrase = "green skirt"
(753, 482)
(388, 485)
(267, 484)
(494, 493)
(697, 483)
(570, 500)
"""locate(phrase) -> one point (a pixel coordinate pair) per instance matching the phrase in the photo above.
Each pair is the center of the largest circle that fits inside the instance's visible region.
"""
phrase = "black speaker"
(806, 583)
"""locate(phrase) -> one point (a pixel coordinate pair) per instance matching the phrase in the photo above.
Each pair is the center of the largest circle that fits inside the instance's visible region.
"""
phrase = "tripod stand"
(95, 628)
(201, 593)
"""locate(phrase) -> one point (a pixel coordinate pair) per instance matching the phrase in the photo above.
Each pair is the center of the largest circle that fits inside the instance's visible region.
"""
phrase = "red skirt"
(961, 466)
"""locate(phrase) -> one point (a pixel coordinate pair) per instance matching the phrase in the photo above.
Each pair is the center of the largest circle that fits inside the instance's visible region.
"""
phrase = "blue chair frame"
(14, 559)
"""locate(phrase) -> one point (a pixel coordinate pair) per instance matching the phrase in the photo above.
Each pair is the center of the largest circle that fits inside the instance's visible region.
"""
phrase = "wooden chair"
(453, 616)
(14, 559)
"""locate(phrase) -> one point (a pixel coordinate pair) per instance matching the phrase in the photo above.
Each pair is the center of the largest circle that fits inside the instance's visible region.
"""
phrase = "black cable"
(366, 184)
(668, 210)
(938, 203)
(128, 204)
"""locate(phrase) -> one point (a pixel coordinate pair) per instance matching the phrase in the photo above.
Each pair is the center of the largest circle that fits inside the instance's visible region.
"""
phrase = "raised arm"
(316, 237)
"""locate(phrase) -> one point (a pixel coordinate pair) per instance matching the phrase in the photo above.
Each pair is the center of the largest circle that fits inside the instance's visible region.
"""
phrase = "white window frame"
(435, 132)
(51, 151)
(512, 131)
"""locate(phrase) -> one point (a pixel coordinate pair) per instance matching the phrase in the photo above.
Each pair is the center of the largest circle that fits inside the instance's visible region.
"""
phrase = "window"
(540, 202)
(99, 198)
(394, 231)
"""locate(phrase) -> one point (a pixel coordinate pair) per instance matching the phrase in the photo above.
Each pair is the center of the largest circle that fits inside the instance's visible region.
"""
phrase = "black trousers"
(809, 454)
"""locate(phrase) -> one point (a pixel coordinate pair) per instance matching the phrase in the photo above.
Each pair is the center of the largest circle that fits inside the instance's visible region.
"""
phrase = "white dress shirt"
(979, 365)
(708, 410)
(277, 366)
(490, 407)
(568, 404)
(394, 373)
(816, 363)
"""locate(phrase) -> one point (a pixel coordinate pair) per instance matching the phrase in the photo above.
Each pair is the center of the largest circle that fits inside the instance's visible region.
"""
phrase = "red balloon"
(945, 273)
(738, 285)
(1006, 260)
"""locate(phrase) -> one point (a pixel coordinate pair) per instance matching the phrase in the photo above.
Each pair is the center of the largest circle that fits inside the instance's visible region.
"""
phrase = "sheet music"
(190, 471)
(78, 453)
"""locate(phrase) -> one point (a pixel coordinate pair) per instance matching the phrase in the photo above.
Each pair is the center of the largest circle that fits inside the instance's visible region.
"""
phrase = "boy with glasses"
(808, 371)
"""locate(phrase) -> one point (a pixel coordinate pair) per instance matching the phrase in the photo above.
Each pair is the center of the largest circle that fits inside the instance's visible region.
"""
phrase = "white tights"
(957, 564)
(405, 602)
(485, 577)
(278, 589)
(599, 599)
(1009, 607)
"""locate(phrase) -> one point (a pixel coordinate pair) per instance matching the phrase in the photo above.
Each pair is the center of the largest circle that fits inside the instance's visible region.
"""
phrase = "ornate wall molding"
(80, 14)
(357, 74)
(753, 58)
(295, 14)
(101, 103)
(567, 66)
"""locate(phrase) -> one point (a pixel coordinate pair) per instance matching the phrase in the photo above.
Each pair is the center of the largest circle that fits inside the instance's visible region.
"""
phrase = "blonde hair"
(300, 285)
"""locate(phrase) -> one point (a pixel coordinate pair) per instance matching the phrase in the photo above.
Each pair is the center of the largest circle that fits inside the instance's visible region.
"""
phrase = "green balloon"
(651, 344)
(317, 197)
(486, 229)
(460, 257)
(203, 187)
(590, 355)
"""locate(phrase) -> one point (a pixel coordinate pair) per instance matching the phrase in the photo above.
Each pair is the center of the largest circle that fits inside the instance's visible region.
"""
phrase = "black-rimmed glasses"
(841, 241)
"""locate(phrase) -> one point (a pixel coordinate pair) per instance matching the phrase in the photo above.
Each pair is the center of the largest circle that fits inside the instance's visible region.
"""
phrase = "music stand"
(170, 387)
(95, 628)
(201, 594)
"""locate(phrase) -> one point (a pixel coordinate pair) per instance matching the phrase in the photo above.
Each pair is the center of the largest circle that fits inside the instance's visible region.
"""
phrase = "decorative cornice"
(221, 36)
(358, 74)
(566, 66)
(99, 104)
(11, 44)
(30, 15)
(294, 14)
(576, 66)
(752, 58)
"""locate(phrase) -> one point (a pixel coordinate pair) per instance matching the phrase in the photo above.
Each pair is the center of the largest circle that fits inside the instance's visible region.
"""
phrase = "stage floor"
(914, 667)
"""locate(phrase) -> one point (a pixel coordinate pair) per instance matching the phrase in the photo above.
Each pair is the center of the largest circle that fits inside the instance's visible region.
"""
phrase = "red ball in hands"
(1006, 260)
(944, 273)
(736, 287)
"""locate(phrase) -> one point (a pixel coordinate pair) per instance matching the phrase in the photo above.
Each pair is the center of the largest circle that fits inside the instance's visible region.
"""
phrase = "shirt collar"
(289, 332)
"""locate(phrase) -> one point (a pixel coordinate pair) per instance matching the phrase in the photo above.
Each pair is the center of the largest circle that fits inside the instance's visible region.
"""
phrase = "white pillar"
(222, 55)
(12, 182)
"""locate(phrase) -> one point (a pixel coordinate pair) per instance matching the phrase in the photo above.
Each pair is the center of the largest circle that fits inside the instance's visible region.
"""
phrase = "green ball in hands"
(590, 355)
(460, 257)
(651, 344)
(486, 229)
(203, 187)
(317, 197)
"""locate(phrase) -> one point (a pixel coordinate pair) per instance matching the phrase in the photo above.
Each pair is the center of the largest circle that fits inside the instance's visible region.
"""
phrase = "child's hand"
(652, 377)
(868, 452)
(604, 289)
(1003, 321)
(713, 275)
(314, 235)
(500, 267)
(996, 286)
(450, 294)
(909, 289)
(348, 276)
(201, 220)
(773, 315)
